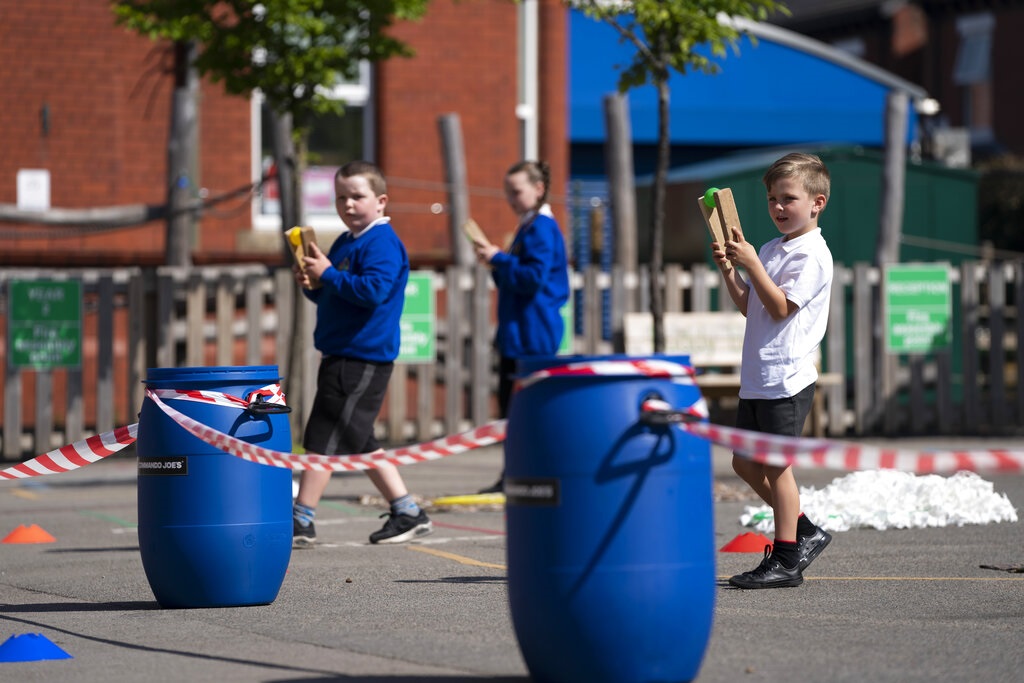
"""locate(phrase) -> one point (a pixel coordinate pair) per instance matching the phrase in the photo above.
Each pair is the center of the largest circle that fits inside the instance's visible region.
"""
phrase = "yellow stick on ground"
(472, 499)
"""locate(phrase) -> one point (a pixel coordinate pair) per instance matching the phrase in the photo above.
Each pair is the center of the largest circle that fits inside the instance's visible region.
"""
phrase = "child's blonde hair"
(807, 168)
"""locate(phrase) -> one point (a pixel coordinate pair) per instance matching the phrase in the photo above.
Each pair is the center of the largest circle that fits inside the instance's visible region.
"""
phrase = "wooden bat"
(721, 217)
(474, 233)
(299, 239)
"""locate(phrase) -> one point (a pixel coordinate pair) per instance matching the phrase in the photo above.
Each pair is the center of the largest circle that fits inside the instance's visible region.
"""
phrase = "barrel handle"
(257, 404)
(656, 411)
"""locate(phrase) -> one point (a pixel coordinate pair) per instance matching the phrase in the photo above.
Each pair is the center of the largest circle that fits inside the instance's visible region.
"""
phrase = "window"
(973, 73)
(973, 59)
(851, 46)
(333, 140)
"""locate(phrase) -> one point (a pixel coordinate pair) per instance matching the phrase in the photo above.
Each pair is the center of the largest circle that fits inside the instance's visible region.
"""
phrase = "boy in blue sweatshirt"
(359, 289)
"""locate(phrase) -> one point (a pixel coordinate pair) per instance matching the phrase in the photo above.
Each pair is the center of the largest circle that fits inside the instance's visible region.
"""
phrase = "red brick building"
(89, 102)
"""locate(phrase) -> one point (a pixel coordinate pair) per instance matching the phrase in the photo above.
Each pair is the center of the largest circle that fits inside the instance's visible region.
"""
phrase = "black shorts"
(785, 416)
(349, 395)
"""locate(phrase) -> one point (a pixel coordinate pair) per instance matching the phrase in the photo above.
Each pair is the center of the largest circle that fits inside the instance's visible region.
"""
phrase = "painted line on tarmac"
(445, 525)
(909, 578)
(24, 493)
(461, 559)
(109, 518)
(441, 540)
(338, 520)
(433, 540)
(724, 577)
(344, 507)
(437, 524)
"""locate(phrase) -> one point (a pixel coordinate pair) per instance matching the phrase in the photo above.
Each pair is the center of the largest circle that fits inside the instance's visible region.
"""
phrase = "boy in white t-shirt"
(785, 300)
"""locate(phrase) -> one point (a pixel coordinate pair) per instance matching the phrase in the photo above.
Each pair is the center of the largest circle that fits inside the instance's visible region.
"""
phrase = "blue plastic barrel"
(611, 553)
(214, 530)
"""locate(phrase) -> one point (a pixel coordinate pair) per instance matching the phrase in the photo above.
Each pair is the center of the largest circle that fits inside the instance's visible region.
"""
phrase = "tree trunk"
(289, 166)
(658, 214)
(622, 196)
(288, 179)
(182, 148)
(890, 226)
(454, 157)
(890, 229)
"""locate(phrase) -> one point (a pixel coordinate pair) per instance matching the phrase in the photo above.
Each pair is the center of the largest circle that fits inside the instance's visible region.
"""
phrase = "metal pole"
(528, 60)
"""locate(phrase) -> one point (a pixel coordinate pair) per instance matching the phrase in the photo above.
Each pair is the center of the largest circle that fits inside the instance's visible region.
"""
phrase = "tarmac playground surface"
(895, 605)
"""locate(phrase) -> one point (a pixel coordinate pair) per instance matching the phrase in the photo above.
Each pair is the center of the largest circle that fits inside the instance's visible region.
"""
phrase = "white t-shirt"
(779, 355)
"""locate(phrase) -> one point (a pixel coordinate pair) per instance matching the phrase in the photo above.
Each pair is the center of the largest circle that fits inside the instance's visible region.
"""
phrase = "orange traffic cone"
(29, 534)
(746, 543)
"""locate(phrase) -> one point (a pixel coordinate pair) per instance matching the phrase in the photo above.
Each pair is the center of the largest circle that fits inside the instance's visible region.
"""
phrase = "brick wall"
(466, 64)
(107, 93)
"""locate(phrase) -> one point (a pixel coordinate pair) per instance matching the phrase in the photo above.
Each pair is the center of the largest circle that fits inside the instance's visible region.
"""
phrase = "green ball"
(709, 197)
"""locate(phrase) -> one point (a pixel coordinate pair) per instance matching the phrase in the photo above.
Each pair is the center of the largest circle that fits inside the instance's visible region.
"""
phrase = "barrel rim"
(530, 364)
(215, 374)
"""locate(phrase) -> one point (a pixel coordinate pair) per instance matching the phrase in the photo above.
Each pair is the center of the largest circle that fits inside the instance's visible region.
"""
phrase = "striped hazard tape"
(646, 367)
(782, 451)
(766, 448)
(73, 456)
(95, 448)
(270, 394)
(490, 433)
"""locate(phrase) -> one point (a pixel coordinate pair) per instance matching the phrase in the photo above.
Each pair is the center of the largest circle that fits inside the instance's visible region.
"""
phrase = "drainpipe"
(527, 107)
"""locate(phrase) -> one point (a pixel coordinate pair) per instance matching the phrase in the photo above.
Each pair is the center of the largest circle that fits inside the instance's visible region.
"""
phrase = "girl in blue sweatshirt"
(532, 278)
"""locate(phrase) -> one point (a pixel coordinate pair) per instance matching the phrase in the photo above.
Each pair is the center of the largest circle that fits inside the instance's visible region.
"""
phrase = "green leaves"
(292, 50)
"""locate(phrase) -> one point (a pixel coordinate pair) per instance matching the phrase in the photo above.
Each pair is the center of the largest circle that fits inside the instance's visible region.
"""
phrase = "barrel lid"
(223, 374)
(528, 365)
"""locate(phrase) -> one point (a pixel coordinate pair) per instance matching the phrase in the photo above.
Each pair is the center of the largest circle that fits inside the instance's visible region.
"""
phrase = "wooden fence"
(249, 315)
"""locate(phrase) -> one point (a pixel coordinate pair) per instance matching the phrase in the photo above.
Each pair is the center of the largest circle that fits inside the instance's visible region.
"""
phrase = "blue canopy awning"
(783, 88)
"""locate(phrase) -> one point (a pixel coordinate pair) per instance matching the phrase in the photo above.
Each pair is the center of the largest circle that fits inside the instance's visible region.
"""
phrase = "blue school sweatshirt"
(360, 302)
(533, 284)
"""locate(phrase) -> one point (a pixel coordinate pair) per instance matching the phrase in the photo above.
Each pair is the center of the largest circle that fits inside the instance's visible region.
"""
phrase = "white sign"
(33, 189)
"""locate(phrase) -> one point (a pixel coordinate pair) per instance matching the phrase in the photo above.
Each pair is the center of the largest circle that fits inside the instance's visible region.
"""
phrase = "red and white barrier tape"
(269, 394)
(71, 457)
(491, 433)
(766, 448)
(782, 451)
(650, 367)
(95, 448)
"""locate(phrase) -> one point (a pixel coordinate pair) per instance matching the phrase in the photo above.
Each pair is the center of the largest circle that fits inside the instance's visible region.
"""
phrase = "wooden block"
(713, 219)
(475, 233)
(725, 207)
(299, 240)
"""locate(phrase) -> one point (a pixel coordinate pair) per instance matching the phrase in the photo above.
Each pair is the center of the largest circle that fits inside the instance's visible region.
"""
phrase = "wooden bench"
(714, 343)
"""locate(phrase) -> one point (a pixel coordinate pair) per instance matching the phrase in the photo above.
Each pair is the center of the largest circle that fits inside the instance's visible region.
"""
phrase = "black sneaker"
(769, 574)
(811, 546)
(303, 536)
(496, 487)
(402, 528)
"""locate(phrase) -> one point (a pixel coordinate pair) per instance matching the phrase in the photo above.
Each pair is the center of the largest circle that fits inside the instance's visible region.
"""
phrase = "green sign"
(918, 308)
(568, 326)
(419, 320)
(44, 324)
